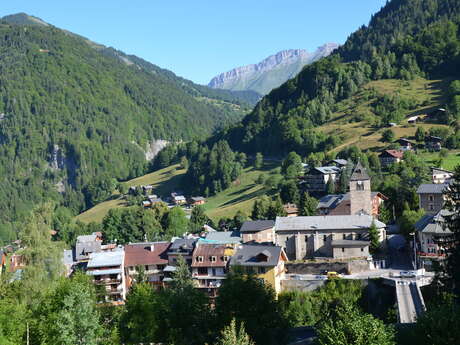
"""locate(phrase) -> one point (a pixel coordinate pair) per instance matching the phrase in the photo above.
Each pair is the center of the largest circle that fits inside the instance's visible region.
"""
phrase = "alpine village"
(319, 206)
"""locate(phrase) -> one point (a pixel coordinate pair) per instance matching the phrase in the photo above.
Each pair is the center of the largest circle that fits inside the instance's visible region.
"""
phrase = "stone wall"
(354, 266)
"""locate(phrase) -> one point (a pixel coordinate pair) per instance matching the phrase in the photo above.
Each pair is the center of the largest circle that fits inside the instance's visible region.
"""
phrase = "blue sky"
(198, 39)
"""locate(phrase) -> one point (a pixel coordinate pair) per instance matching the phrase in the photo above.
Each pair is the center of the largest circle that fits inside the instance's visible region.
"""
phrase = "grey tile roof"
(326, 222)
(257, 225)
(349, 243)
(359, 173)
(86, 238)
(223, 237)
(328, 170)
(183, 245)
(331, 201)
(67, 257)
(434, 224)
(431, 188)
(247, 255)
(106, 259)
(340, 161)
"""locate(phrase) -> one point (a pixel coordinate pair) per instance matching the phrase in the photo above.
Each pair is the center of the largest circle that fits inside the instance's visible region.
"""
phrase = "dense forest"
(406, 39)
(76, 116)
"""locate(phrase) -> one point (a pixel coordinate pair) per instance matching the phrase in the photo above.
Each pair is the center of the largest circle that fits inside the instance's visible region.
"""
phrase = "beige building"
(431, 197)
(258, 231)
(439, 175)
(360, 191)
(335, 237)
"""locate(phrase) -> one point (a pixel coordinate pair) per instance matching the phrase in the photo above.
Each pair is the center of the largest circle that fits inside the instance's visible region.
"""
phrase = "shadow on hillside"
(166, 187)
(240, 191)
(242, 198)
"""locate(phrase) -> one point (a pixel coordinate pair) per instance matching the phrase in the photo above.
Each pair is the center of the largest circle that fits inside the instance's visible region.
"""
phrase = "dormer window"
(225, 258)
(213, 258)
(199, 259)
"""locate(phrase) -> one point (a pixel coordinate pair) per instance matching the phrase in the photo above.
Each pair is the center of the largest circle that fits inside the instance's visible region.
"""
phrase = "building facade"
(107, 270)
(150, 258)
(209, 266)
(389, 157)
(431, 197)
(258, 231)
(318, 236)
(318, 178)
(265, 261)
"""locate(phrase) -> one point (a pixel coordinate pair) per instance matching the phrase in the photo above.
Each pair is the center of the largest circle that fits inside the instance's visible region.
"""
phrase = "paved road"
(406, 307)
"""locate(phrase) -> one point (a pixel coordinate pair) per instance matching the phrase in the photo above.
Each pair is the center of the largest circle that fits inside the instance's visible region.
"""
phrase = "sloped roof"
(359, 173)
(224, 237)
(257, 225)
(326, 222)
(393, 153)
(247, 255)
(328, 170)
(106, 259)
(147, 253)
(434, 224)
(432, 188)
(182, 244)
(207, 251)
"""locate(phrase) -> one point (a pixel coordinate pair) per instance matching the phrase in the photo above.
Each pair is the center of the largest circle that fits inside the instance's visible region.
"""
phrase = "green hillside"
(239, 197)
(406, 40)
(74, 119)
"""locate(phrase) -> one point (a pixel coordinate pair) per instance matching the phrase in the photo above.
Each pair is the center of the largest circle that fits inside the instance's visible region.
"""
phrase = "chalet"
(147, 189)
(107, 270)
(389, 157)
(433, 238)
(265, 261)
(209, 266)
(406, 145)
(179, 200)
(291, 210)
(335, 237)
(433, 143)
(197, 200)
(258, 231)
(439, 175)
(152, 256)
(87, 244)
(431, 197)
(317, 178)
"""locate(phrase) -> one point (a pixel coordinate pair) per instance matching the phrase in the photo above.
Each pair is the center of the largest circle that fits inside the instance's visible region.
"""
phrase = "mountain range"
(270, 72)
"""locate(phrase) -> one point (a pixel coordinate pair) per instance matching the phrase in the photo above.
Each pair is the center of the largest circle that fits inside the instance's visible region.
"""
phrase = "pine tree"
(308, 205)
(259, 161)
(374, 238)
(231, 336)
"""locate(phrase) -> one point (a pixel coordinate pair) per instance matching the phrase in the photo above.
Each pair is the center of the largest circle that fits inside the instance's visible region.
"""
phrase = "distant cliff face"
(271, 72)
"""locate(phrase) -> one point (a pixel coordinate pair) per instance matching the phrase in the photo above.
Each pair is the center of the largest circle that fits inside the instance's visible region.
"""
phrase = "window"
(360, 185)
(358, 236)
(324, 238)
(261, 270)
(431, 207)
(213, 258)
(362, 249)
(146, 267)
(202, 271)
(343, 250)
(225, 258)
(431, 198)
(199, 259)
(344, 236)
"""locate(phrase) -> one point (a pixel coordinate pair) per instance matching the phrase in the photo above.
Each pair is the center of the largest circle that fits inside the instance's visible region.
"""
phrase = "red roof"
(150, 253)
(394, 153)
(207, 251)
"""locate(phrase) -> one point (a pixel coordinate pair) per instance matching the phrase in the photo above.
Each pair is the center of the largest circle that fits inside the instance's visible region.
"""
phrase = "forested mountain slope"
(74, 117)
(405, 40)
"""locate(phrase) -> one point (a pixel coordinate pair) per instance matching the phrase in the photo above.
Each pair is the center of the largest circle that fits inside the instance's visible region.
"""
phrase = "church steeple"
(360, 191)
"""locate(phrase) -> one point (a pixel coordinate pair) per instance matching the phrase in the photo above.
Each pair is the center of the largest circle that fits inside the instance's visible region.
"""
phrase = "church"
(359, 200)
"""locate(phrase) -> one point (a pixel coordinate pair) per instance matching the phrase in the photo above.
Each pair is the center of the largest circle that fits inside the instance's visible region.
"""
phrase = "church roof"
(359, 173)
